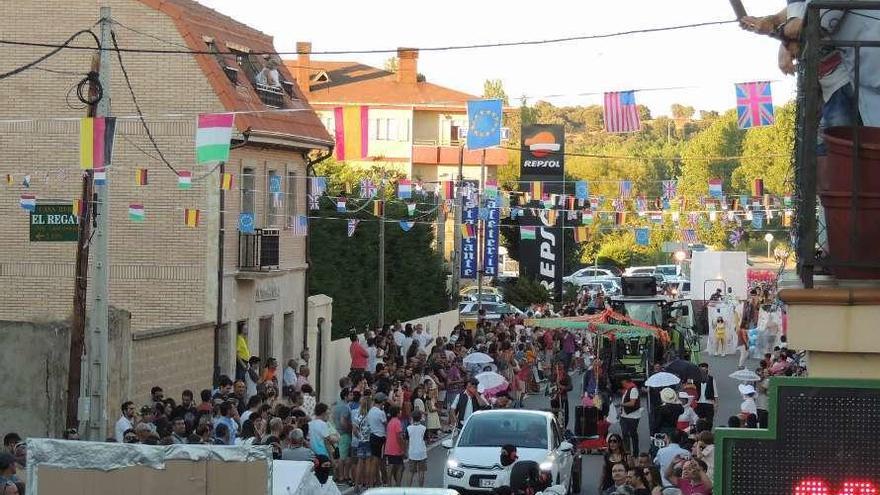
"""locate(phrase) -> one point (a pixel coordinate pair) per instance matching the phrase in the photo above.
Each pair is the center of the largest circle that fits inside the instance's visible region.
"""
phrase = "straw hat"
(668, 396)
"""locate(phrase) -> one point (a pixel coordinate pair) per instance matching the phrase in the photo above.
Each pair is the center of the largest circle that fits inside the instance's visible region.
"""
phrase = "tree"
(700, 163)
(682, 112)
(391, 64)
(767, 154)
(494, 89)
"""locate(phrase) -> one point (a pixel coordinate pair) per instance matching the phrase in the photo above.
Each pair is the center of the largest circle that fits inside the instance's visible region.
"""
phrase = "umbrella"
(662, 379)
(477, 358)
(685, 370)
(491, 382)
(745, 375)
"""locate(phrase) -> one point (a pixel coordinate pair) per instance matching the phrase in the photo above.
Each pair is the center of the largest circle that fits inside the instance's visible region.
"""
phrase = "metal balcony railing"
(258, 251)
(271, 96)
(854, 261)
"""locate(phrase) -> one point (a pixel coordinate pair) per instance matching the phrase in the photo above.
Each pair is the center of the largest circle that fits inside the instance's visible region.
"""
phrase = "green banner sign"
(54, 223)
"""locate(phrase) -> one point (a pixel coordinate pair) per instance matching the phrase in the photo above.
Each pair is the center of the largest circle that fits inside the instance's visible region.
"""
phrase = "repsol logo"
(542, 164)
(547, 267)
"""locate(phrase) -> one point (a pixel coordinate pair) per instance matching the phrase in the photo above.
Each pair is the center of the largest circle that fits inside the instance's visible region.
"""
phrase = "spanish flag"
(76, 208)
(96, 142)
(226, 181)
(191, 217)
(580, 234)
(551, 217)
(378, 207)
(352, 132)
(537, 191)
(141, 177)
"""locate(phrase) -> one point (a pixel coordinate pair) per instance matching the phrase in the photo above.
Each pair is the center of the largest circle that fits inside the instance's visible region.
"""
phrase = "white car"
(473, 461)
(639, 270)
(494, 310)
(587, 275)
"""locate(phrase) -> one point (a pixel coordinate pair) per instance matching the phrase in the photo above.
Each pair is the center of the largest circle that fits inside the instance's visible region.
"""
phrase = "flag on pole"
(378, 207)
(141, 177)
(621, 112)
(468, 231)
(715, 189)
(96, 142)
(340, 204)
(213, 136)
(301, 226)
(536, 190)
(484, 124)
(625, 188)
(670, 189)
(226, 181)
(527, 232)
(191, 217)
(351, 132)
(581, 234)
(404, 189)
(136, 213)
(352, 226)
(184, 179)
(754, 104)
(642, 236)
(28, 202)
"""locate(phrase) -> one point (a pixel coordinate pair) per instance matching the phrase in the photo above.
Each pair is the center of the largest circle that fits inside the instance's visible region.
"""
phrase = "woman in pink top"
(395, 445)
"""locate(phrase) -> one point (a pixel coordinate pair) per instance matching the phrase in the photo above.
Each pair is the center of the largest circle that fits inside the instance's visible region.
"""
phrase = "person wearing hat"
(748, 406)
(688, 418)
(669, 411)
(466, 403)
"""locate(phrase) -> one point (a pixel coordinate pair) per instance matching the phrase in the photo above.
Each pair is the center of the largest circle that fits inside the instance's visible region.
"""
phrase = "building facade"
(164, 272)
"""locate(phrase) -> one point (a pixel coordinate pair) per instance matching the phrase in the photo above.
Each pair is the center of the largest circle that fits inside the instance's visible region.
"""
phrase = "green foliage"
(346, 269)
(525, 292)
(777, 141)
(494, 88)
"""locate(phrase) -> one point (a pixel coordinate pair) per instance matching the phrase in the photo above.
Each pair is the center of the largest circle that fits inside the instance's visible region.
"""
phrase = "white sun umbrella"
(662, 379)
(491, 382)
(745, 375)
(477, 358)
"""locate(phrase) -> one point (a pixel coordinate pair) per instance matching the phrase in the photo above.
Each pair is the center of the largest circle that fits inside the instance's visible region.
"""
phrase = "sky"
(706, 61)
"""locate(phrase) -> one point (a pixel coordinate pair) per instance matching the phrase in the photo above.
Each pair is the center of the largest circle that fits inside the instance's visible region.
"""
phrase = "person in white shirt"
(423, 338)
(689, 417)
(372, 355)
(417, 450)
(288, 379)
(666, 455)
(126, 421)
(630, 415)
(398, 336)
(748, 405)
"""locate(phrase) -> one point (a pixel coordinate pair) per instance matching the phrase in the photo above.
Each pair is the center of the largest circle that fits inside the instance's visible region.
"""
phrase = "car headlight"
(452, 462)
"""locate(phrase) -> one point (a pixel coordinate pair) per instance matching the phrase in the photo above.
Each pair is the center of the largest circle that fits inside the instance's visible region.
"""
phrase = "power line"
(56, 49)
(389, 50)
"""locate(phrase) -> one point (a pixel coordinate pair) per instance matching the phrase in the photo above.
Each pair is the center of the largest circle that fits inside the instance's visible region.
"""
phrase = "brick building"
(161, 271)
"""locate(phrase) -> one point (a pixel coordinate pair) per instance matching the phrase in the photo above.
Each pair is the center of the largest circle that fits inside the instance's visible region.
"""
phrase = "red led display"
(814, 486)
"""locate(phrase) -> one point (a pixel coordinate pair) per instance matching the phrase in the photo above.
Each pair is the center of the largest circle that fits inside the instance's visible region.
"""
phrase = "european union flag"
(581, 189)
(484, 124)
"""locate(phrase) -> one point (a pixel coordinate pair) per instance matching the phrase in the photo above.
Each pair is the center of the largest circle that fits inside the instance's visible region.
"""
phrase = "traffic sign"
(820, 436)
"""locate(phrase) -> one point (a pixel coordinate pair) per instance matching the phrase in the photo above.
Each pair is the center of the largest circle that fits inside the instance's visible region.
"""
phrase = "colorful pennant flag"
(490, 191)
(551, 217)
(621, 113)
(537, 191)
(670, 189)
(136, 213)
(625, 189)
(368, 189)
(314, 202)
(689, 236)
(340, 204)
(319, 186)
(656, 218)
(213, 137)
(786, 218)
(581, 234)
(404, 189)
(96, 142)
(758, 219)
(352, 226)
(754, 104)
(468, 231)
(226, 180)
(642, 236)
(528, 233)
(28, 202)
(191, 217)
(411, 209)
(586, 218)
(351, 132)
(184, 179)
(26, 181)
(786, 200)
(300, 226)
(715, 190)
(675, 216)
(620, 218)
(758, 188)
(141, 177)
(100, 177)
(581, 189)
(378, 207)
(406, 225)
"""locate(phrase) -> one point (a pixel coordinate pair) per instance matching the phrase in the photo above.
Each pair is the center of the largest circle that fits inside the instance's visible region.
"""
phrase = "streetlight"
(769, 239)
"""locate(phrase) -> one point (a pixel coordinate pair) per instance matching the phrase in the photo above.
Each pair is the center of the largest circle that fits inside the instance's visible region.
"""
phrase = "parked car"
(679, 286)
(639, 270)
(610, 287)
(486, 297)
(668, 270)
(587, 275)
(473, 459)
(494, 310)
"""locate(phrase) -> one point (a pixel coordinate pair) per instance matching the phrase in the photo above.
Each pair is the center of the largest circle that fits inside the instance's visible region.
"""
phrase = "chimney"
(408, 65)
(303, 66)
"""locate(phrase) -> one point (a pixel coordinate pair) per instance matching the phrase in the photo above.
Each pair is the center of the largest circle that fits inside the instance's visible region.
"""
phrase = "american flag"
(689, 235)
(754, 104)
(625, 188)
(368, 189)
(621, 113)
(301, 226)
(670, 189)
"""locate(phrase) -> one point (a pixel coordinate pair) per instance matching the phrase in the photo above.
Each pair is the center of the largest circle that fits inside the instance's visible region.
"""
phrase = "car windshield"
(667, 270)
(527, 431)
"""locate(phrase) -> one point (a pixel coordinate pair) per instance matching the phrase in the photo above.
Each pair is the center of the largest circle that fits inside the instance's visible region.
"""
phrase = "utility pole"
(481, 257)
(221, 239)
(98, 341)
(456, 249)
(76, 360)
(381, 305)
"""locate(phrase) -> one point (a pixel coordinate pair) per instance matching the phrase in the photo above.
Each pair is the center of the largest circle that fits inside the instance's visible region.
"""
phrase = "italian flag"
(213, 136)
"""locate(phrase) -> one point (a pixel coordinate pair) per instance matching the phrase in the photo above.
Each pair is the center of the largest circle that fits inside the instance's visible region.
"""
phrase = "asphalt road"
(729, 403)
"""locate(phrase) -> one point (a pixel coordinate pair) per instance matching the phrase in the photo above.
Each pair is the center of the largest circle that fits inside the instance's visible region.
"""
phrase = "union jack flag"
(670, 189)
(689, 235)
(313, 202)
(368, 189)
(754, 104)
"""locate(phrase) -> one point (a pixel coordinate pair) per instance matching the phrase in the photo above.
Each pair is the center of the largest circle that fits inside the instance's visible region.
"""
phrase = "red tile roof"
(356, 83)
(195, 21)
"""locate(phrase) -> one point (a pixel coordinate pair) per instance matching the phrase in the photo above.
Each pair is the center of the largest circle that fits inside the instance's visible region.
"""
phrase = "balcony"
(258, 251)
(448, 153)
(271, 96)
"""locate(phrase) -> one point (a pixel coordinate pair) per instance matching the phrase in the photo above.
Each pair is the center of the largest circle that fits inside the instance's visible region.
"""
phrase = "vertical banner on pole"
(469, 218)
(491, 238)
(542, 158)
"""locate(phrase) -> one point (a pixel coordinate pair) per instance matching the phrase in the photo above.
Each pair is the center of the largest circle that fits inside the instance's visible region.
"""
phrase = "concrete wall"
(336, 361)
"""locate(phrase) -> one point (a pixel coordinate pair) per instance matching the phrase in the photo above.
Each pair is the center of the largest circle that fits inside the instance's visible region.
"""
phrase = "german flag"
(96, 142)
(378, 207)
(226, 181)
(537, 191)
(141, 177)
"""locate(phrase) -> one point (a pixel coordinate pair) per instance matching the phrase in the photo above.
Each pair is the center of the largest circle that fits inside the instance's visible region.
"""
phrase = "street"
(720, 367)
